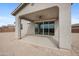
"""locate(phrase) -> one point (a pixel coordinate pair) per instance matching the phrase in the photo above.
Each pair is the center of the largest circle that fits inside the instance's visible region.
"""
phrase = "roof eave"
(21, 6)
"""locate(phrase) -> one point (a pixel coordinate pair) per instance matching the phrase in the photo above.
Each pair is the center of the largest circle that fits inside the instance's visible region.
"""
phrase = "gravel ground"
(10, 46)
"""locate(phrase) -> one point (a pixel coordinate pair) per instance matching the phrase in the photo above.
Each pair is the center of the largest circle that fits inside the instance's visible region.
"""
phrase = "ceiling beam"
(21, 17)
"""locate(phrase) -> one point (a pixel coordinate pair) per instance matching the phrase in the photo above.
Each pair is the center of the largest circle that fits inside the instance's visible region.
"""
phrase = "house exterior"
(51, 19)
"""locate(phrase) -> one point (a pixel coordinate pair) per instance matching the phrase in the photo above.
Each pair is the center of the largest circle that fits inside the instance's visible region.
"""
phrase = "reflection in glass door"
(39, 28)
(51, 28)
(45, 28)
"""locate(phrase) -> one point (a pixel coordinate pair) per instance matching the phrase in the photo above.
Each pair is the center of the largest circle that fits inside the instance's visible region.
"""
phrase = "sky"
(5, 13)
(7, 18)
(75, 13)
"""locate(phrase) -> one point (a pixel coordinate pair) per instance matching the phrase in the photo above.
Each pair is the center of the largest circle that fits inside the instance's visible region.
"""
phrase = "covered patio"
(43, 31)
(45, 20)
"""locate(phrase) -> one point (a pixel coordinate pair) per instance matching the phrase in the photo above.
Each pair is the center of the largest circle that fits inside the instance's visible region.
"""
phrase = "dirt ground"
(10, 46)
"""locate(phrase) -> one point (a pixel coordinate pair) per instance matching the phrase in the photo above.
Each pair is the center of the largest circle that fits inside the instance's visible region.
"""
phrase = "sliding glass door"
(39, 28)
(44, 28)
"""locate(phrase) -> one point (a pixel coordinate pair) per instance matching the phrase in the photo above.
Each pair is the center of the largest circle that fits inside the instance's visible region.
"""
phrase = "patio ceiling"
(46, 14)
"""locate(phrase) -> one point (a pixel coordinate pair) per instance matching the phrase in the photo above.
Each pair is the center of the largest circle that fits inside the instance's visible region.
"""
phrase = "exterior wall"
(27, 28)
(63, 28)
(31, 29)
(25, 25)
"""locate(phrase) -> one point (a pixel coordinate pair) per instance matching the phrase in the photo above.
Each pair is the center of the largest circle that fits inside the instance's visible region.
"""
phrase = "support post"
(65, 26)
(19, 28)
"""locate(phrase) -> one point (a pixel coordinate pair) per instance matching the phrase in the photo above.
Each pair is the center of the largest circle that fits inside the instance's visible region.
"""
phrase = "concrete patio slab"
(41, 41)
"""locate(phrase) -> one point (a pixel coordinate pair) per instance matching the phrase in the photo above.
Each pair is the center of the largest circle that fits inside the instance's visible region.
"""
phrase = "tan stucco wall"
(63, 26)
(27, 28)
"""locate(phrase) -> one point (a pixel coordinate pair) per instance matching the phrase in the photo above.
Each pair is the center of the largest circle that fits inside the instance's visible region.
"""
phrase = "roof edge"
(17, 9)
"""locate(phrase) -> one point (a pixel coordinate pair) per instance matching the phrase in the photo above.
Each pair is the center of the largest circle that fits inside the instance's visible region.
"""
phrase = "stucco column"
(18, 29)
(65, 26)
(56, 33)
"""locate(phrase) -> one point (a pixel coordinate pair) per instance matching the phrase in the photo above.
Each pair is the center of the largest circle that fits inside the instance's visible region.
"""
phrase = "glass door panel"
(45, 28)
(36, 29)
(41, 28)
(51, 28)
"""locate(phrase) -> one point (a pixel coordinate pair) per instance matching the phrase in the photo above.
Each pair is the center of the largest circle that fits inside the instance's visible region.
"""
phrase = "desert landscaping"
(10, 46)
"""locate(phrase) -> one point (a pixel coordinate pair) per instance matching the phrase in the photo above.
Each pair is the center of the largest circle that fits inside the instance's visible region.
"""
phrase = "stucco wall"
(27, 28)
(25, 25)
(65, 26)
